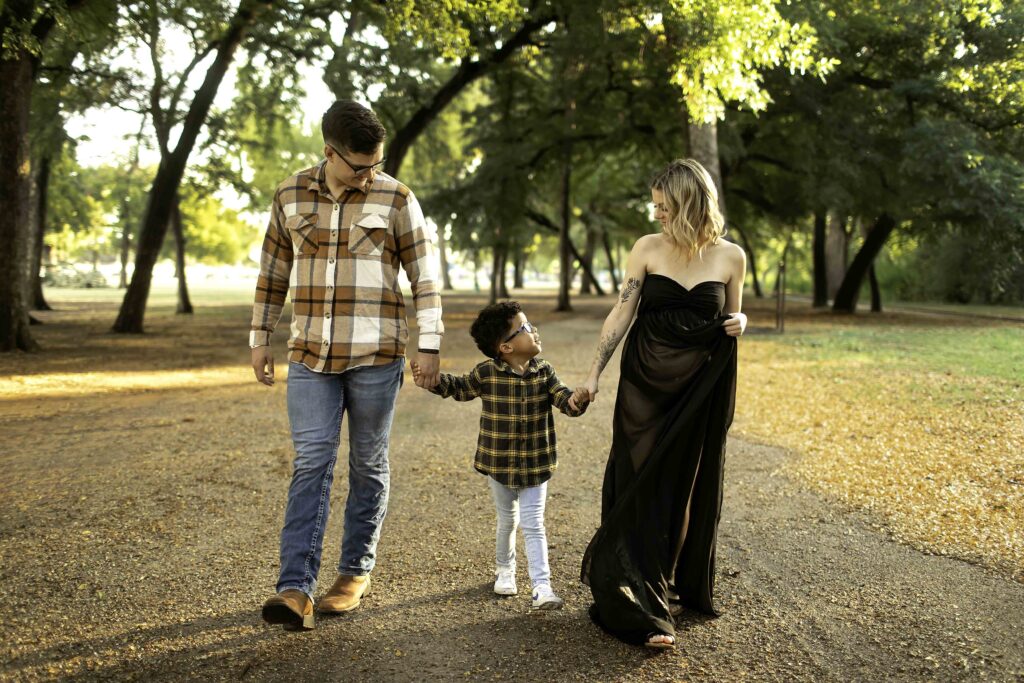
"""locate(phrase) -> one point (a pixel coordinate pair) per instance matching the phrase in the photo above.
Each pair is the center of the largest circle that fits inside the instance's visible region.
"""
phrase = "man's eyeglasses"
(359, 170)
(527, 327)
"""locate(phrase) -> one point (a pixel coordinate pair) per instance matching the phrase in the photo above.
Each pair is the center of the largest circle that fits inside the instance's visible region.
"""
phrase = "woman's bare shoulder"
(730, 250)
(649, 241)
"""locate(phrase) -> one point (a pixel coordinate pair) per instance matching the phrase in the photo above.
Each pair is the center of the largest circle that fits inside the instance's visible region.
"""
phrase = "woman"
(662, 493)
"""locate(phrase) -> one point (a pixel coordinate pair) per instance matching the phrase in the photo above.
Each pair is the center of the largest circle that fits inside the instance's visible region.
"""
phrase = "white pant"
(522, 507)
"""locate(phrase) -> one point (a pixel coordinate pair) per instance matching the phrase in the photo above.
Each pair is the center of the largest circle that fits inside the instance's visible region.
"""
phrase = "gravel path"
(138, 538)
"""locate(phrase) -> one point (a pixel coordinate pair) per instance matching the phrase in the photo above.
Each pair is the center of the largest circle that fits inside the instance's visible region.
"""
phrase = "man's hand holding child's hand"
(579, 399)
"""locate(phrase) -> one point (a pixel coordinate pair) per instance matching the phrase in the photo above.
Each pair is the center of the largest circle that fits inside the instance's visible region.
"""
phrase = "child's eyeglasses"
(527, 327)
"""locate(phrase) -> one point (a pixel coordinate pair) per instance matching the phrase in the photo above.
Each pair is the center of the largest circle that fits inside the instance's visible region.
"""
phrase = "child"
(516, 445)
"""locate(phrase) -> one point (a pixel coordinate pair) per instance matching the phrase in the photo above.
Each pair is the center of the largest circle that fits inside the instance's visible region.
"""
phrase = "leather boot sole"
(289, 618)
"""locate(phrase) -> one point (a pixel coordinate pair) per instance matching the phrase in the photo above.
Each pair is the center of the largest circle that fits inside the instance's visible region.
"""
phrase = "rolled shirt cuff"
(431, 342)
(259, 338)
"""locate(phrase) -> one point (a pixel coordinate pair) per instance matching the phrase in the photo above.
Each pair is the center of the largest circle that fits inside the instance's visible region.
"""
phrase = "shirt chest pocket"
(302, 229)
(368, 235)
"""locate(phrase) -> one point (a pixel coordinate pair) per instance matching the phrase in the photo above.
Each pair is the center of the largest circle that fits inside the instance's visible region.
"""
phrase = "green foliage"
(445, 26)
(726, 47)
(914, 122)
(213, 233)
(914, 108)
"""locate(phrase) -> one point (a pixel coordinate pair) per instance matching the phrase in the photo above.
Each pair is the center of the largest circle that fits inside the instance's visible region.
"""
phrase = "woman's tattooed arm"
(605, 349)
(610, 338)
(628, 289)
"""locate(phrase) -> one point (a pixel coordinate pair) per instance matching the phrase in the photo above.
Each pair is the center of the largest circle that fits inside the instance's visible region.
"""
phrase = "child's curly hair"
(491, 326)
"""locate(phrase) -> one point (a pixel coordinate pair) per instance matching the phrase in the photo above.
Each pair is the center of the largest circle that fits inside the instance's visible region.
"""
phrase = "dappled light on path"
(112, 381)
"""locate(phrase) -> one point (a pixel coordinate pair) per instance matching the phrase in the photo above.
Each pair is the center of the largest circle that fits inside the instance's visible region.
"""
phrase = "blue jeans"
(316, 404)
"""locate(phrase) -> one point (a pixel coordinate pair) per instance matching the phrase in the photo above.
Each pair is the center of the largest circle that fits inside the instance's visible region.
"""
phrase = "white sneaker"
(545, 598)
(505, 581)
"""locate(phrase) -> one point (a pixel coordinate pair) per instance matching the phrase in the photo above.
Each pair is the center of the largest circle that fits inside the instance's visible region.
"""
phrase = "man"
(337, 235)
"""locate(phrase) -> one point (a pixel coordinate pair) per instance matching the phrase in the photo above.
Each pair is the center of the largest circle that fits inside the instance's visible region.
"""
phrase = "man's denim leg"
(370, 395)
(315, 405)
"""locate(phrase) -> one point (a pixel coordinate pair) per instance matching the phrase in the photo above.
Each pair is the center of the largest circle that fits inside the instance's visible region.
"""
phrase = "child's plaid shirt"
(516, 446)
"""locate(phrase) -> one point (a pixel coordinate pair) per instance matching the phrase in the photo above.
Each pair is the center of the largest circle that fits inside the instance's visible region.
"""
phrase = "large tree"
(221, 39)
(25, 26)
(916, 132)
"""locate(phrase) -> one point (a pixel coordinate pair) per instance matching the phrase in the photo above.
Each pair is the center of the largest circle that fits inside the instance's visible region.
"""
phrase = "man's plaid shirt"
(516, 446)
(340, 260)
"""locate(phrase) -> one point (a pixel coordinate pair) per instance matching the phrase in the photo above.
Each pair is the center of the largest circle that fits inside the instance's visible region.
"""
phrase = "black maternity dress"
(662, 493)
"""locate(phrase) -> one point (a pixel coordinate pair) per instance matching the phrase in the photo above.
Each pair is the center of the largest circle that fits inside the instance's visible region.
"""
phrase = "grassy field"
(918, 419)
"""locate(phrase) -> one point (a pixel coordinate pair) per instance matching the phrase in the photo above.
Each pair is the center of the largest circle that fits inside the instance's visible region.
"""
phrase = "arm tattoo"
(605, 349)
(628, 289)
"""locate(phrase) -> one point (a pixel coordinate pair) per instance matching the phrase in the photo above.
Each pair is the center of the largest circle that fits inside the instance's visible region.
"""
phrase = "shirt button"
(335, 207)
(330, 286)
(326, 342)
(327, 315)
(334, 233)
(331, 261)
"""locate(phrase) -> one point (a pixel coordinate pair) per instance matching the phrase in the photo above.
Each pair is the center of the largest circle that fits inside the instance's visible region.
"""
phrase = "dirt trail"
(138, 538)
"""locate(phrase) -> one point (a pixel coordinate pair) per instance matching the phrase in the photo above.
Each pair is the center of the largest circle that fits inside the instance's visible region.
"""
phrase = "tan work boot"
(292, 608)
(344, 595)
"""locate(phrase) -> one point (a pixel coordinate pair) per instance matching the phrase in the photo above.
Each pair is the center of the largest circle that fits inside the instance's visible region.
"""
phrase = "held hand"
(735, 325)
(427, 366)
(588, 392)
(579, 401)
(579, 398)
(263, 365)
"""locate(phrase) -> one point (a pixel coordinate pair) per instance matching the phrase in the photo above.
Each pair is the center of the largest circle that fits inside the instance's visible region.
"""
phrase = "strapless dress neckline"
(684, 287)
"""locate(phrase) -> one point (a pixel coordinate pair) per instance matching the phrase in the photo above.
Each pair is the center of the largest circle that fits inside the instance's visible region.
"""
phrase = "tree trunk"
(476, 270)
(545, 222)
(42, 183)
(184, 303)
(126, 245)
(819, 260)
(16, 80)
(837, 248)
(442, 246)
(751, 261)
(518, 266)
(495, 274)
(589, 247)
(564, 252)
(780, 275)
(876, 292)
(611, 260)
(164, 190)
(503, 274)
(846, 298)
(704, 148)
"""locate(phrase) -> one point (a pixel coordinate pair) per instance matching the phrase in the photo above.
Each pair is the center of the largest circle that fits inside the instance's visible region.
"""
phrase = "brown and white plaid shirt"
(339, 258)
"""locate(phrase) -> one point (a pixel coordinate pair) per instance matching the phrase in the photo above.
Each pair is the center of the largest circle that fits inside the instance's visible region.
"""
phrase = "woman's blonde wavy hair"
(691, 201)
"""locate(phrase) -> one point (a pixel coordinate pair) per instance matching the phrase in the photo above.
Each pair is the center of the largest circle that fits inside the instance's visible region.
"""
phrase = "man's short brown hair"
(350, 126)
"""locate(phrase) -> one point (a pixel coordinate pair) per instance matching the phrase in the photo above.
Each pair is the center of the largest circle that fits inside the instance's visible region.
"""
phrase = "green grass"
(994, 352)
(159, 297)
